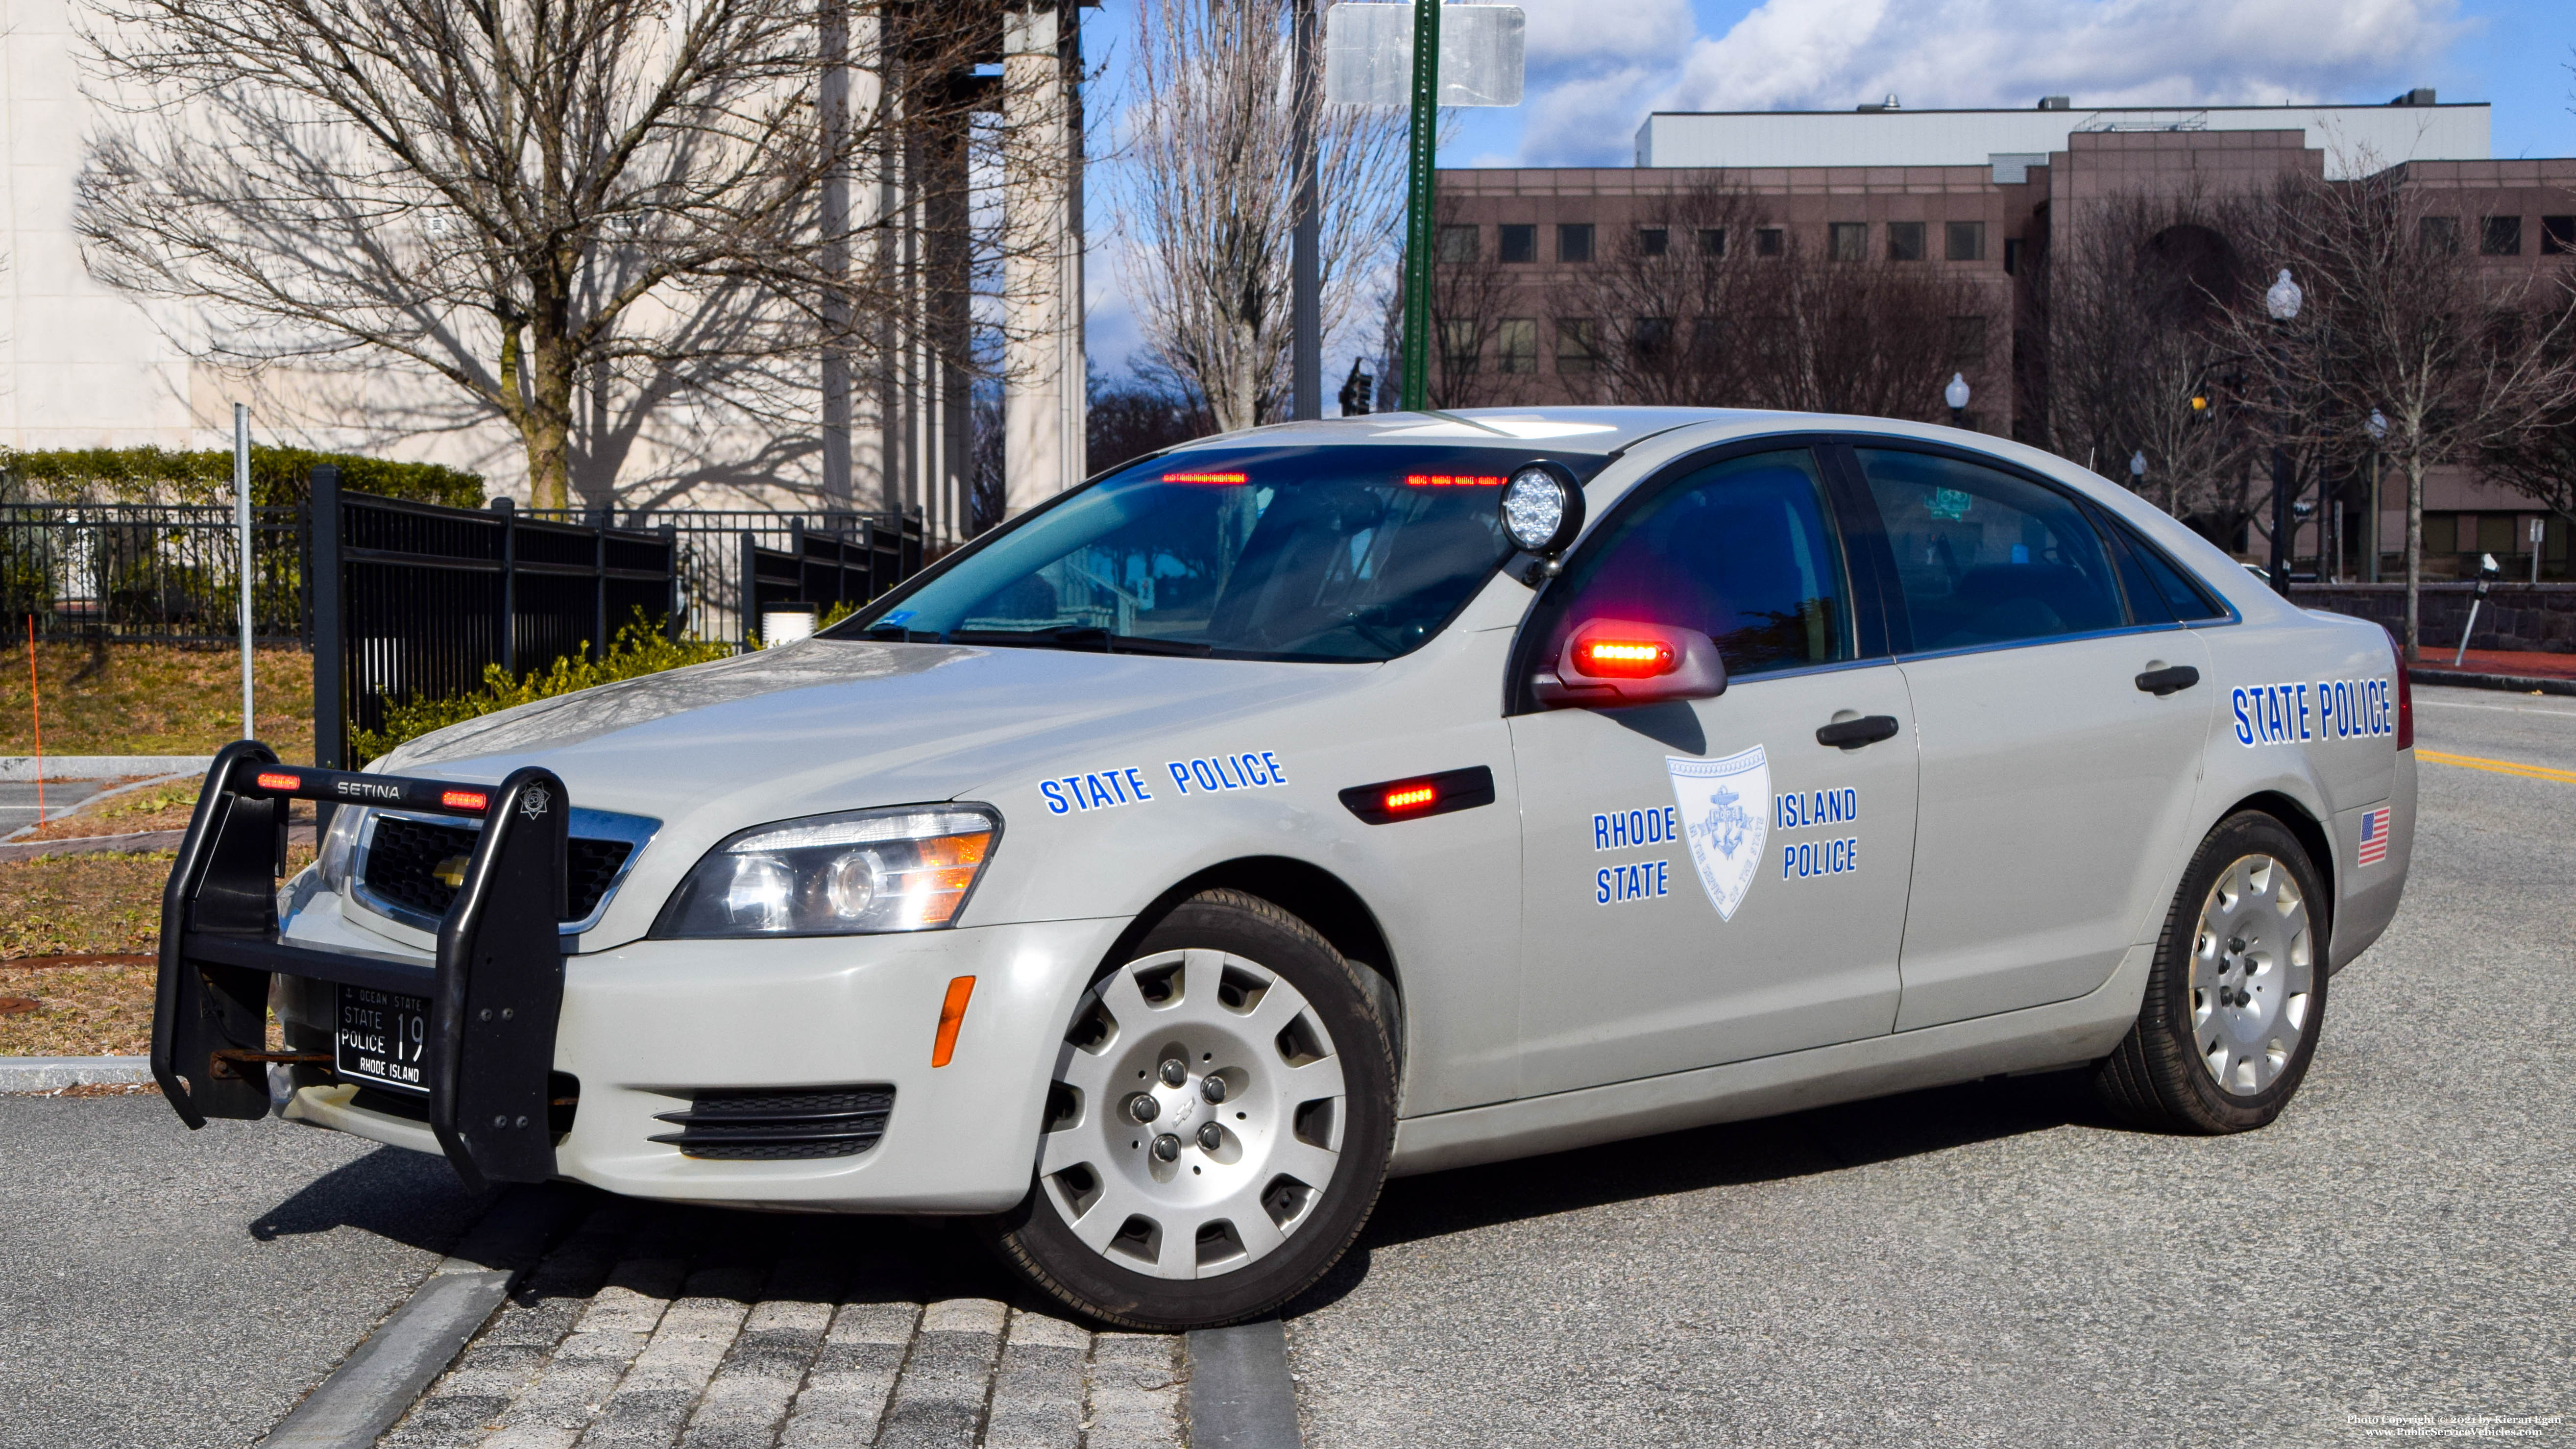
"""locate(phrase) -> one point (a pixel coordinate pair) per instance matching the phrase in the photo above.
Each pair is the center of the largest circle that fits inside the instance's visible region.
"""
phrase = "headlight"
(906, 869)
(339, 849)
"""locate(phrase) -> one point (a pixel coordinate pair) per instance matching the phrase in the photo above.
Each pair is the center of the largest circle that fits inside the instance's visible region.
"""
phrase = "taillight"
(2405, 704)
(1608, 657)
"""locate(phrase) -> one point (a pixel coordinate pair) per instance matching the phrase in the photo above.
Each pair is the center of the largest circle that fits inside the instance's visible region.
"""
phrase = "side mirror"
(1611, 662)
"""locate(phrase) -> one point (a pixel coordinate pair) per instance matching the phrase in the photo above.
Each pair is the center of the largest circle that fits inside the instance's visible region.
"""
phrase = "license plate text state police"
(380, 1039)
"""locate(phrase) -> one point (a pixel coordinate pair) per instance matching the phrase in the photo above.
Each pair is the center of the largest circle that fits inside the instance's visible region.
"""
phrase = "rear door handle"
(1851, 734)
(2161, 682)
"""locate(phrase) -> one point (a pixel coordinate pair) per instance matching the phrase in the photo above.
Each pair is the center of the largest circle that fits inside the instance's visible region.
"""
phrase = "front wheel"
(1218, 1126)
(2237, 993)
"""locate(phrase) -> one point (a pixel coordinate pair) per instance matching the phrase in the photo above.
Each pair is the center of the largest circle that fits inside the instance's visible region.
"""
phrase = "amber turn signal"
(952, 1015)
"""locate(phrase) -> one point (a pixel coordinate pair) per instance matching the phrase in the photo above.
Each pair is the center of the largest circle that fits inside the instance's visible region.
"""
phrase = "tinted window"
(2165, 584)
(1740, 551)
(1340, 553)
(1985, 557)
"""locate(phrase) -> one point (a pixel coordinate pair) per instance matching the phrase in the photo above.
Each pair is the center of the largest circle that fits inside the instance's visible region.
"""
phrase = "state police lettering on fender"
(2332, 709)
(1095, 790)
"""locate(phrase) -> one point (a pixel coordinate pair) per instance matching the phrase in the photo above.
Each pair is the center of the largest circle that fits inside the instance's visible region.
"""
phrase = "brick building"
(1966, 195)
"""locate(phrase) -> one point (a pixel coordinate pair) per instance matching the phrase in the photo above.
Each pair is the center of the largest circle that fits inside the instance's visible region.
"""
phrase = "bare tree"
(1876, 338)
(1676, 290)
(2459, 357)
(1479, 356)
(1210, 198)
(557, 208)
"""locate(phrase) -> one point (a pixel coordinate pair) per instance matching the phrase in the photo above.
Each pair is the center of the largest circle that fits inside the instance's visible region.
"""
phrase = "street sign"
(1368, 55)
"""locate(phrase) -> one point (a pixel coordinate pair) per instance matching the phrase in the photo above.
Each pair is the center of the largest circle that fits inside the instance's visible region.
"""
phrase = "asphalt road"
(168, 1289)
(18, 804)
(2000, 1263)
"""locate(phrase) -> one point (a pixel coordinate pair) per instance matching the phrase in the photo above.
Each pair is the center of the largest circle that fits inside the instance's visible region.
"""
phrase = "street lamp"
(2282, 301)
(2377, 427)
(1956, 395)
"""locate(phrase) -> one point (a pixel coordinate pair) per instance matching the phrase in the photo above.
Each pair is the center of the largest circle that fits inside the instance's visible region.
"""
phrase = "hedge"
(278, 476)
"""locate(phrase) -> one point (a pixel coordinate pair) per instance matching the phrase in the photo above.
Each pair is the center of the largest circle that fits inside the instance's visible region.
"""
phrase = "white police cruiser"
(1161, 872)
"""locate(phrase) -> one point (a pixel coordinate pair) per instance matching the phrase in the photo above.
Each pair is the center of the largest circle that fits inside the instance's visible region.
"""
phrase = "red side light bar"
(1420, 795)
(279, 780)
(1206, 478)
(1451, 480)
(1607, 656)
(465, 799)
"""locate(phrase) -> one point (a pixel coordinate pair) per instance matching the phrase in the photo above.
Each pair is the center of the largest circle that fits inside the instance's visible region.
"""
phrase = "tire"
(1209, 1212)
(2238, 991)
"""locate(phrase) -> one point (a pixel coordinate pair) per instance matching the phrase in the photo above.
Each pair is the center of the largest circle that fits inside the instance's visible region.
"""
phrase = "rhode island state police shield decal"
(1725, 809)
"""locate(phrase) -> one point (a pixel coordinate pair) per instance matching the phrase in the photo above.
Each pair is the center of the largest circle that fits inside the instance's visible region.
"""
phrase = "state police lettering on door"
(2331, 709)
(1805, 810)
(1627, 830)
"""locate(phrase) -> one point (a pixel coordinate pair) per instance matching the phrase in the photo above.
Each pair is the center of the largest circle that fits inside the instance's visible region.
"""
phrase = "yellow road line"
(2499, 767)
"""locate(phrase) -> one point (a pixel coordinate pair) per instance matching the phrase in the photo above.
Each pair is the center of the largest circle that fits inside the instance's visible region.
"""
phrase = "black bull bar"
(495, 990)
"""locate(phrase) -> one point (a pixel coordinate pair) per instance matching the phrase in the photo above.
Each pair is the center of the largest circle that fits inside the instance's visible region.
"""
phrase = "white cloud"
(1829, 54)
(1565, 31)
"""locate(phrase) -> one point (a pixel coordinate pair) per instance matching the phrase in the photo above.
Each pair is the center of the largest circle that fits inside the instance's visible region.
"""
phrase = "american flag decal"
(2374, 837)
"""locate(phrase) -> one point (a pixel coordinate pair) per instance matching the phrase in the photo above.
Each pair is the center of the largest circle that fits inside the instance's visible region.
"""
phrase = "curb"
(21, 769)
(52, 1074)
(386, 1373)
(2517, 683)
(1240, 1394)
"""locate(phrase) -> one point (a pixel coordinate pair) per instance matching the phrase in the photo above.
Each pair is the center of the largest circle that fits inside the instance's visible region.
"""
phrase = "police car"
(1157, 875)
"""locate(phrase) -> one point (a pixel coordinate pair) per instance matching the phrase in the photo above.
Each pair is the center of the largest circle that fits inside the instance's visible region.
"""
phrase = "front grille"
(404, 858)
(767, 1126)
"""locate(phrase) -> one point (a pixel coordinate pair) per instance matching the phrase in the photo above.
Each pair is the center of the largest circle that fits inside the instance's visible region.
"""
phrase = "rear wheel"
(1218, 1126)
(2238, 991)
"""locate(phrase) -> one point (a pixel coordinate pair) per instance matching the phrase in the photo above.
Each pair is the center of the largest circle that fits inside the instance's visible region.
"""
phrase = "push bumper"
(650, 1027)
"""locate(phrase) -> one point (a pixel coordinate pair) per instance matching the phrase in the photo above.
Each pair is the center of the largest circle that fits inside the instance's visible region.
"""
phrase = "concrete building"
(83, 365)
(1967, 194)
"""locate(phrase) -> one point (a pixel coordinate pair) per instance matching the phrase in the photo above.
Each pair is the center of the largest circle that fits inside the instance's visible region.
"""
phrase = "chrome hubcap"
(2253, 975)
(1196, 1116)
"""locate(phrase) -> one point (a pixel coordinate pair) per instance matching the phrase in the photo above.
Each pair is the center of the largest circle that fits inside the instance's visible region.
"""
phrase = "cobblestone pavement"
(703, 1329)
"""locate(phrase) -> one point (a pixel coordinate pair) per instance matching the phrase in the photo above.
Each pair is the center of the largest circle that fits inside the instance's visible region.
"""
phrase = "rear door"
(2056, 783)
(1704, 882)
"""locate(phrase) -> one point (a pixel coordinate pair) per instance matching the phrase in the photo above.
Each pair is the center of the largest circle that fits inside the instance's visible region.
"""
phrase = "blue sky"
(1597, 67)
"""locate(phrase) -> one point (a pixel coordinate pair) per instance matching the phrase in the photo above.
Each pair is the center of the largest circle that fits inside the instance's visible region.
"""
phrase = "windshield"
(1339, 553)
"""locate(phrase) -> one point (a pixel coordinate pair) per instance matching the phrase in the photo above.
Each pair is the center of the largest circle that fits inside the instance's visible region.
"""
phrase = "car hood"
(830, 724)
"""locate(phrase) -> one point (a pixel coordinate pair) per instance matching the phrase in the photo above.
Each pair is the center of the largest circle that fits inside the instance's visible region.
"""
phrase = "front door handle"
(1851, 734)
(2161, 682)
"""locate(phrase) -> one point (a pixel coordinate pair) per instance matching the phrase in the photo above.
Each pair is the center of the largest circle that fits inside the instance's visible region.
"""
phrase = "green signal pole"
(1415, 389)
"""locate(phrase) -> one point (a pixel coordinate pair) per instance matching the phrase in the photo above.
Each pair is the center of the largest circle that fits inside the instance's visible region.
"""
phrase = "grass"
(83, 904)
(154, 699)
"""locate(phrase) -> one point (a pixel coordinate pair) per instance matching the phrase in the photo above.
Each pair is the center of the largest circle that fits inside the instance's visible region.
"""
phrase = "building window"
(1653, 241)
(2012, 256)
(1905, 241)
(2441, 533)
(2500, 236)
(2557, 235)
(1574, 241)
(2439, 234)
(1847, 241)
(1967, 241)
(1457, 244)
(2496, 533)
(1712, 241)
(1458, 345)
(1652, 337)
(1967, 342)
(1769, 241)
(1516, 243)
(1578, 346)
(1516, 345)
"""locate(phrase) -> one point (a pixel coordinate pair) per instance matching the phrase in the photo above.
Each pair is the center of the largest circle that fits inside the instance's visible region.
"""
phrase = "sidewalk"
(2501, 669)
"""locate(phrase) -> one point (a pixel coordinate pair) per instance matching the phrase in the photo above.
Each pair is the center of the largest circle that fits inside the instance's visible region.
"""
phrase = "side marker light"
(1410, 797)
(464, 799)
(1418, 796)
(952, 1015)
(270, 780)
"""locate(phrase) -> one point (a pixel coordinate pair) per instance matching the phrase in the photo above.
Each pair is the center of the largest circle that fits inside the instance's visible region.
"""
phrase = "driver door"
(1704, 881)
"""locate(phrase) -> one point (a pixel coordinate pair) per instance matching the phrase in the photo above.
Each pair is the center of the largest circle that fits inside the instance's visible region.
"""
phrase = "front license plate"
(382, 1038)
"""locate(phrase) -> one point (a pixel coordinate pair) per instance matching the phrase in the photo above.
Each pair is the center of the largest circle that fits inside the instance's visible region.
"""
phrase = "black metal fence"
(848, 566)
(152, 573)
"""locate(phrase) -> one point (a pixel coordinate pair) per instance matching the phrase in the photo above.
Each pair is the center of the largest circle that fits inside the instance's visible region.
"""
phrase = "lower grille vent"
(766, 1126)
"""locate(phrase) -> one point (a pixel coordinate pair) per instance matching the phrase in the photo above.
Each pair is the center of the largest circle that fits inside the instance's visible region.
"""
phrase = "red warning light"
(1451, 480)
(464, 799)
(1623, 658)
(272, 780)
(1409, 797)
(1206, 478)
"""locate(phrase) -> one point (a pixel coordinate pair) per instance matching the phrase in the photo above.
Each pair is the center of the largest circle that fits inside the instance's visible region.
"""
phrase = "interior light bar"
(1416, 796)
(1207, 478)
(1452, 480)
